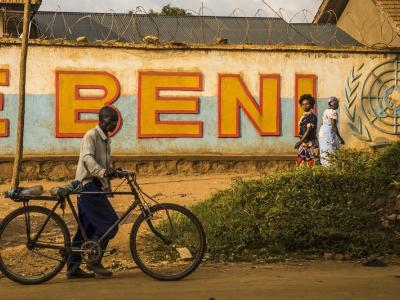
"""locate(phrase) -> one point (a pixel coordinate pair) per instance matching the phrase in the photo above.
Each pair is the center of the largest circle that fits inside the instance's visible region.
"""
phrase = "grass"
(307, 211)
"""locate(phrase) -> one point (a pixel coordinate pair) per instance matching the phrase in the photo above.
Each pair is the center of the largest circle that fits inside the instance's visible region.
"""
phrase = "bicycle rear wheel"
(32, 264)
(182, 250)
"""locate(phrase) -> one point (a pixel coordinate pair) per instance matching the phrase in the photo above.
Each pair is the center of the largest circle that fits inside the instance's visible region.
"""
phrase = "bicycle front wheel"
(170, 244)
(37, 263)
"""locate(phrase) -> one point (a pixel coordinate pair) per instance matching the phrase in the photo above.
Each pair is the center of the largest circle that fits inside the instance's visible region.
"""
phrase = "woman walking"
(329, 136)
(308, 143)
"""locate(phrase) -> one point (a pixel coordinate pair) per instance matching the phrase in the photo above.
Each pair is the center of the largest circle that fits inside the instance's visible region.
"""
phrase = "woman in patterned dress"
(308, 143)
(329, 136)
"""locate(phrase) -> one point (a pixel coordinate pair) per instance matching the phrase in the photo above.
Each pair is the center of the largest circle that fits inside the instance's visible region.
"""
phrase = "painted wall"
(364, 22)
(197, 101)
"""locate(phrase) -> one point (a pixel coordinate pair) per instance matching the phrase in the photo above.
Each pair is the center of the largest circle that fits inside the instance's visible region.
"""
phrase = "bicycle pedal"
(110, 252)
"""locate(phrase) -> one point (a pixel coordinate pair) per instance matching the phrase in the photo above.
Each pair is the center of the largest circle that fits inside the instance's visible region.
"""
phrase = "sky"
(287, 9)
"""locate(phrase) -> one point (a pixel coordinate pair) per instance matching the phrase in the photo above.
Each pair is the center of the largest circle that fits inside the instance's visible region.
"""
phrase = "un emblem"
(380, 98)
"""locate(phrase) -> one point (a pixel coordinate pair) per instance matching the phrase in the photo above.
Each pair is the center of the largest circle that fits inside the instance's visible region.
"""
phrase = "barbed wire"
(204, 27)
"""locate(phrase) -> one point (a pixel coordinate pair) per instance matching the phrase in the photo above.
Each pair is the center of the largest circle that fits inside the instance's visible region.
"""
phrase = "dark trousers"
(96, 216)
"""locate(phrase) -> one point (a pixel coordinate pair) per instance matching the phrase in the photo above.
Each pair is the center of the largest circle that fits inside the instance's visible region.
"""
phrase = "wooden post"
(21, 97)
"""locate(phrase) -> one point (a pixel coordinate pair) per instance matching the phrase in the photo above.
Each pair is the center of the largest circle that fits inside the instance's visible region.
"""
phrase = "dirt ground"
(289, 280)
(184, 190)
(307, 280)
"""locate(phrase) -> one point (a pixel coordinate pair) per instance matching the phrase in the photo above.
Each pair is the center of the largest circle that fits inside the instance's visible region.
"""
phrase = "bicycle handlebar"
(123, 173)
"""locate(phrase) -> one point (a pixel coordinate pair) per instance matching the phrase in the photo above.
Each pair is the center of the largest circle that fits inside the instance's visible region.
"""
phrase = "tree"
(169, 10)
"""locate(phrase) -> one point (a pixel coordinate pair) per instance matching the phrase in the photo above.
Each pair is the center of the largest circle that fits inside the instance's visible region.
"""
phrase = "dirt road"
(309, 280)
(184, 190)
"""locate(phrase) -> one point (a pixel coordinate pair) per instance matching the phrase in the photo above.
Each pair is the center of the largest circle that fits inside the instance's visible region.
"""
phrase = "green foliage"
(169, 10)
(306, 210)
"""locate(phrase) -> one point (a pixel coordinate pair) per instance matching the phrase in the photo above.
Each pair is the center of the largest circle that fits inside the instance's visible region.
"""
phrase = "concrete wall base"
(63, 168)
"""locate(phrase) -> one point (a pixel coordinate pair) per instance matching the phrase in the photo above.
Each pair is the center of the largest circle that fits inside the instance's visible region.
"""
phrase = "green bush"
(306, 210)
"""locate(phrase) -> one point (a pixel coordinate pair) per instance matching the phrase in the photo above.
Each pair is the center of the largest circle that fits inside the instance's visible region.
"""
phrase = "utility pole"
(19, 149)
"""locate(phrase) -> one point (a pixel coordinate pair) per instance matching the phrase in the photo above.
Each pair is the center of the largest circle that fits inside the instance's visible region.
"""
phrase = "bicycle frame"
(61, 203)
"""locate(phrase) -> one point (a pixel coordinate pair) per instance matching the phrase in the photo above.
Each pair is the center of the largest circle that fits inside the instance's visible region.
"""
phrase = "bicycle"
(167, 241)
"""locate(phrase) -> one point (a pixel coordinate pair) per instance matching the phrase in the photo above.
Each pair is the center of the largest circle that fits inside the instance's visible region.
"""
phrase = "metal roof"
(186, 29)
(391, 9)
(19, 1)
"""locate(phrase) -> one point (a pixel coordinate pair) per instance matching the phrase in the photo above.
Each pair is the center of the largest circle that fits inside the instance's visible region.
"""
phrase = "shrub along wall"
(308, 210)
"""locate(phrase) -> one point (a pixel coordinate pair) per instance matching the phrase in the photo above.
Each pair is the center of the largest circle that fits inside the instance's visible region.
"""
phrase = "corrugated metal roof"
(391, 8)
(186, 29)
(19, 1)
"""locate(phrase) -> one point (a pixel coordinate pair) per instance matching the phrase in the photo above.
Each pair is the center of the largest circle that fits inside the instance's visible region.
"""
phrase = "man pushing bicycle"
(167, 241)
(95, 211)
